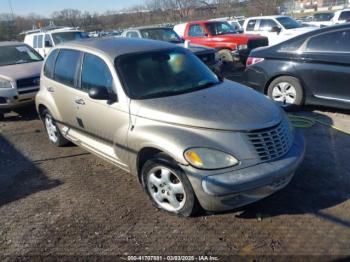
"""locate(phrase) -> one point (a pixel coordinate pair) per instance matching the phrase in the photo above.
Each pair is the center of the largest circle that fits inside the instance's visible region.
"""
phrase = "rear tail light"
(254, 60)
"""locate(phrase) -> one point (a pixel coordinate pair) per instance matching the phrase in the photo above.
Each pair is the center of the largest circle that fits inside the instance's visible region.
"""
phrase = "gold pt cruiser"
(155, 110)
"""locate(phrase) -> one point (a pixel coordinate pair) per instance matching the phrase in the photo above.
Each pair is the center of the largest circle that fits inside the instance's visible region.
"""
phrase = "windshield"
(18, 54)
(162, 34)
(163, 73)
(288, 22)
(321, 17)
(68, 36)
(220, 28)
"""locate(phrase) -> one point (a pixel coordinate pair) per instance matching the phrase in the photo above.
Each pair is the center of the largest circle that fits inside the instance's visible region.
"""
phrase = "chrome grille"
(273, 142)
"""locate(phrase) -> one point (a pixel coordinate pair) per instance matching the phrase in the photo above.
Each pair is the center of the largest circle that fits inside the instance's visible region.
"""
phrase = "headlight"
(205, 158)
(5, 83)
(242, 47)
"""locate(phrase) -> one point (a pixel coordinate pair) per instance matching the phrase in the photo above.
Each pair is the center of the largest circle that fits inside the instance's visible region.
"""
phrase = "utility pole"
(11, 8)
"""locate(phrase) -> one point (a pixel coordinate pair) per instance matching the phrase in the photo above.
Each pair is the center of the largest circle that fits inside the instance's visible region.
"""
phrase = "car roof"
(113, 47)
(11, 43)
(267, 16)
(149, 27)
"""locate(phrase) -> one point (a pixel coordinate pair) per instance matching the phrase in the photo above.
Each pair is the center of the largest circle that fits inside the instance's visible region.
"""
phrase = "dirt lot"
(65, 201)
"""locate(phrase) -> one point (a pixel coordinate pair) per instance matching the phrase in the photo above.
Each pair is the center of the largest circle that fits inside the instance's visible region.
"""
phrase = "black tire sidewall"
(191, 204)
(61, 141)
(299, 100)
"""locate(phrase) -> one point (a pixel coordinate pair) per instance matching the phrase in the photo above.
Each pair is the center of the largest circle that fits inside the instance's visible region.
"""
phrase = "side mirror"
(275, 29)
(102, 93)
(48, 44)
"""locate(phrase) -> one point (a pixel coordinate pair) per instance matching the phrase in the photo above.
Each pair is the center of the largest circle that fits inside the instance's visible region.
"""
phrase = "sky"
(47, 7)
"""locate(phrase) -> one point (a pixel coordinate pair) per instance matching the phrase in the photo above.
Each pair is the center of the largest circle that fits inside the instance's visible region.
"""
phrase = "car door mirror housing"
(276, 29)
(102, 93)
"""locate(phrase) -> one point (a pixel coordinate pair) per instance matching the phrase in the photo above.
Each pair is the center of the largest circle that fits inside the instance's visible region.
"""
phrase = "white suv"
(341, 16)
(276, 28)
(42, 40)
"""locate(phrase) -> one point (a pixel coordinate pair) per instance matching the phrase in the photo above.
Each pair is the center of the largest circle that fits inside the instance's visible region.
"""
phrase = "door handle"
(79, 101)
(50, 89)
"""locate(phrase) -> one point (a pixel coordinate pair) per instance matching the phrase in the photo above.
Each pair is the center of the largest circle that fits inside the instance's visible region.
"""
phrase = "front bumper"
(237, 188)
(10, 99)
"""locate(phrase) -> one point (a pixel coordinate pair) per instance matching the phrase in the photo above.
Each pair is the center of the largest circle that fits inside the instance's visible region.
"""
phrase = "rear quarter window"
(66, 66)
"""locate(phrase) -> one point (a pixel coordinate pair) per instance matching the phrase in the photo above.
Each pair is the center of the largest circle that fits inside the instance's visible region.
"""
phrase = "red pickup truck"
(221, 36)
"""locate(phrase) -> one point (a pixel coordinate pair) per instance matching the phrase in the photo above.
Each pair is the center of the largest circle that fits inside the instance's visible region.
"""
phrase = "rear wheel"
(286, 91)
(52, 130)
(168, 187)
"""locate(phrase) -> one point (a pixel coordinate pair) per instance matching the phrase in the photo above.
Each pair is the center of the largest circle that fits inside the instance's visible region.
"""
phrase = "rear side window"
(338, 41)
(50, 64)
(35, 41)
(95, 73)
(66, 66)
(292, 45)
(40, 41)
(196, 30)
(251, 25)
(345, 15)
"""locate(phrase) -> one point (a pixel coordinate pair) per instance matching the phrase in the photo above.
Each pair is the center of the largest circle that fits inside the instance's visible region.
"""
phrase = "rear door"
(63, 86)
(325, 65)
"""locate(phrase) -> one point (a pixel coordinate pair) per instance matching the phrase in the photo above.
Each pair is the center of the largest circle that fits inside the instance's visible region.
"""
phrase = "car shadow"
(19, 177)
(321, 182)
(27, 113)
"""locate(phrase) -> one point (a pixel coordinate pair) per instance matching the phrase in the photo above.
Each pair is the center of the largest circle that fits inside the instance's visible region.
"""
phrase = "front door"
(106, 124)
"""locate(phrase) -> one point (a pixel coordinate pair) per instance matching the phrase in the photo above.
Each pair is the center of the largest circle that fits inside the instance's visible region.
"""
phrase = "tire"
(287, 92)
(158, 177)
(52, 130)
(225, 56)
(2, 116)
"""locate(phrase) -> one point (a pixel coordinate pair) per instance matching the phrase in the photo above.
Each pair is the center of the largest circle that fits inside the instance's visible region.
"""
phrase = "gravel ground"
(65, 201)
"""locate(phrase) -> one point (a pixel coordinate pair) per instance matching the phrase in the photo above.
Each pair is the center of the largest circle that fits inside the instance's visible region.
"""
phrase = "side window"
(251, 25)
(267, 25)
(50, 64)
(95, 73)
(48, 42)
(66, 66)
(196, 30)
(345, 15)
(35, 41)
(338, 41)
(132, 34)
(40, 41)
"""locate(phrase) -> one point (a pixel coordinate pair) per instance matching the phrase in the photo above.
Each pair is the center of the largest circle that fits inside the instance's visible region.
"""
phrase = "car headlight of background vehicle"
(205, 158)
(242, 47)
(4, 83)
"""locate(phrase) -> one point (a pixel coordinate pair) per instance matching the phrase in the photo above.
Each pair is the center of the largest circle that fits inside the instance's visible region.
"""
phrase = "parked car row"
(322, 19)
(154, 109)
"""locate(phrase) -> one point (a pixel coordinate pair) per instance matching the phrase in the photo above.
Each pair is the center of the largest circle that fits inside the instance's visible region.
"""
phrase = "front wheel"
(286, 91)
(52, 130)
(168, 187)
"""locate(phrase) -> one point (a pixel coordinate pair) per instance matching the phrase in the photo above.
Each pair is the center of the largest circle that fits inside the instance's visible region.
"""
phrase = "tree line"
(151, 12)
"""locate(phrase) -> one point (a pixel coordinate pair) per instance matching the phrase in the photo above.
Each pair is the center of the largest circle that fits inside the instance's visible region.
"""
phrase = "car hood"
(198, 48)
(227, 106)
(239, 37)
(19, 71)
(300, 30)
